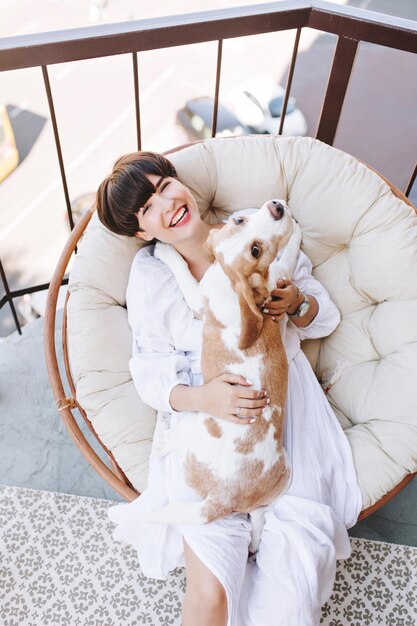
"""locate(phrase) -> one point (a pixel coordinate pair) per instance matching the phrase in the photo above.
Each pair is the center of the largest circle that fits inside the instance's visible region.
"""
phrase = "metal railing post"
(217, 88)
(137, 99)
(57, 143)
(289, 80)
(343, 60)
(9, 298)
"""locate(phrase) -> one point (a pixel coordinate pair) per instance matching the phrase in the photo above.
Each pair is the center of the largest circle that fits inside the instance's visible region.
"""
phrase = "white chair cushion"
(362, 241)
(100, 346)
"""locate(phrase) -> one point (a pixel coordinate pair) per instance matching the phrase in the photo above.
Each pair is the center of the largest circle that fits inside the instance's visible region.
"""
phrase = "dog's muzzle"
(276, 209)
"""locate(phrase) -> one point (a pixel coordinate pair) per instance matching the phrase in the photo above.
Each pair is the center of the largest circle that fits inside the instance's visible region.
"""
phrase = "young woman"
(306, 529)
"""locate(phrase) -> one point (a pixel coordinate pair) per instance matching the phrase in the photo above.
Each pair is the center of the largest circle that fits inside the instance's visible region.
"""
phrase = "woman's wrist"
(297, 300)
(185, 398)
(304, 321)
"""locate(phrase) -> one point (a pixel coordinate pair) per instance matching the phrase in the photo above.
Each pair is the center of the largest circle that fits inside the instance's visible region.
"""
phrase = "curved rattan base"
(114, 477)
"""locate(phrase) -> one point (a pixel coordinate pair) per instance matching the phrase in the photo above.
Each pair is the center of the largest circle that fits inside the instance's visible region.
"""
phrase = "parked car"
(9, 156)
(196, 117)
(258, 102)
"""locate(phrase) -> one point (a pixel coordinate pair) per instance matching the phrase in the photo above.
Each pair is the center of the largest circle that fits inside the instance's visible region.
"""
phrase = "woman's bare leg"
(205, 600)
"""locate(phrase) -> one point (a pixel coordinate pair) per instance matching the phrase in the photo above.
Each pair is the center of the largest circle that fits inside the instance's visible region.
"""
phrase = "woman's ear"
(251, 319)
(208, 248)
(141, 234)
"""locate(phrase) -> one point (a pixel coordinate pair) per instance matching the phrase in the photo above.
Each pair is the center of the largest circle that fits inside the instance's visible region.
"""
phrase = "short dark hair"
(126, 189)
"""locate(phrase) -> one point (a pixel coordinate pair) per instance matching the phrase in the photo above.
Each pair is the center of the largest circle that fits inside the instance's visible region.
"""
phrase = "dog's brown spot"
(252, 488)
(274, 378)
(257, 432)
(215, 357)
(213, 427)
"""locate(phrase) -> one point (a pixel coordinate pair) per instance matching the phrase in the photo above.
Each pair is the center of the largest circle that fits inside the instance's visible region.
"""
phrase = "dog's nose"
(276, 209)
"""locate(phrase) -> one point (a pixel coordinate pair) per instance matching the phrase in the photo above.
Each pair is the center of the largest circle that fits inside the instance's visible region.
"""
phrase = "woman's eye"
(162, 187)
(255, 250)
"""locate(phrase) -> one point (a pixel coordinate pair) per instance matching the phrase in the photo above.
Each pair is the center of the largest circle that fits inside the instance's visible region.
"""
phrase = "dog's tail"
(182, 513)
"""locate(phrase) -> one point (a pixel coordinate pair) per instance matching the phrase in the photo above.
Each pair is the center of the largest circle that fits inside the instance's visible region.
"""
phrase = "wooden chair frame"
(113, 475)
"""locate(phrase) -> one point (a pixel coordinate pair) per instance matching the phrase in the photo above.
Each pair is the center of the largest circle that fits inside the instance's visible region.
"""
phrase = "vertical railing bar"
(137, 100)
(57, 143)
(9, 298)
(337, 85)
(289, 80)
(217, 89)
(411, 182)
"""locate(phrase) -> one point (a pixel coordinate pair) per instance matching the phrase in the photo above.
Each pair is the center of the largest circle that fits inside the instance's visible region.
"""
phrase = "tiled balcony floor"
(37, 452)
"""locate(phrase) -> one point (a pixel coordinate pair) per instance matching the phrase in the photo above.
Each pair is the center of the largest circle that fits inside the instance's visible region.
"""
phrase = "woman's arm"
(328, 317)
(302, 322)
(220, 398)
(184, 398)
(155, 373)
(323, 316)
(287, 297)
(153, 307)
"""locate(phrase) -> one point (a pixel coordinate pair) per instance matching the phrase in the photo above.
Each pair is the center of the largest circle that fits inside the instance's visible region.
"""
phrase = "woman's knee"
(203, 587)
(207, 590)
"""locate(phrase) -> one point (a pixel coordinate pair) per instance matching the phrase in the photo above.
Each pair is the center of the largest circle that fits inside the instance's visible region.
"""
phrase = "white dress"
(305, 529)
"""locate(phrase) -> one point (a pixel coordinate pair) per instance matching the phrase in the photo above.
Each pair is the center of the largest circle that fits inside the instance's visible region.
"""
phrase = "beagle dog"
(233, 467)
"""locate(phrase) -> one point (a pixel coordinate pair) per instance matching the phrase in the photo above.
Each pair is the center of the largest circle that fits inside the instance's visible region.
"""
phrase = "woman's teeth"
(179, 216)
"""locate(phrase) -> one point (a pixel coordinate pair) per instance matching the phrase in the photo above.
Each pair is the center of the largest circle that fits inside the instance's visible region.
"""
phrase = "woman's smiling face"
(171, 213)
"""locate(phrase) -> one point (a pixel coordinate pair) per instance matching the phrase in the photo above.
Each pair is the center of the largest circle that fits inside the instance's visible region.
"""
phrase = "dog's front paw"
(257, 518)
(251, 556)
(167, 253)
(254, 545)
(297, 231)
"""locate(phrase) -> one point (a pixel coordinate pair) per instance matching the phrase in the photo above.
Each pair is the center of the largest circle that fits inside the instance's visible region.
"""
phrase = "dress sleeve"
(154, 303)
(328, 316)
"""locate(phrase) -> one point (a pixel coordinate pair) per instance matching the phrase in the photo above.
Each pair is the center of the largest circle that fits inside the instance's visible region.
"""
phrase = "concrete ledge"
(35, 449)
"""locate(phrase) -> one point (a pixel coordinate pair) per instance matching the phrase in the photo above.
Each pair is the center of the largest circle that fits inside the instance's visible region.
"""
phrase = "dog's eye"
(239, 220)
(255, 250)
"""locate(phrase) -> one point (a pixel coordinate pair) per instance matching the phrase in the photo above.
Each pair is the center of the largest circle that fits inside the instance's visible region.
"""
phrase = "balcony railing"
(350, 25)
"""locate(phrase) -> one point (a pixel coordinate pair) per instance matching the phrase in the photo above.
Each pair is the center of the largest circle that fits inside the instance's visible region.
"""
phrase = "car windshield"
(275, 106)
(202, 112)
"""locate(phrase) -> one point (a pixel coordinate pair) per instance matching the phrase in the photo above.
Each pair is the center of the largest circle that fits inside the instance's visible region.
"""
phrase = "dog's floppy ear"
(208, 247)
(259, 287)
(251, 318)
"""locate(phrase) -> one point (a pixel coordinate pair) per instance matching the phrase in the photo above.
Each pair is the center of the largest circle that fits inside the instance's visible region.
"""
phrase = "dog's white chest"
(222, 301)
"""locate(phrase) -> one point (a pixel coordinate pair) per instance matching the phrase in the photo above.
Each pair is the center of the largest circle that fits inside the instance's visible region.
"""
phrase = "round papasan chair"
(360, 234)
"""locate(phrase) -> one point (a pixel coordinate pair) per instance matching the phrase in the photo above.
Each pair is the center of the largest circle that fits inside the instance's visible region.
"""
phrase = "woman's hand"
(229, 397)
(286, 298)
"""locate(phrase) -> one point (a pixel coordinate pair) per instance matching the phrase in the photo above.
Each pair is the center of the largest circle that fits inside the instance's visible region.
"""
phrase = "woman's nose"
(167, 204)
